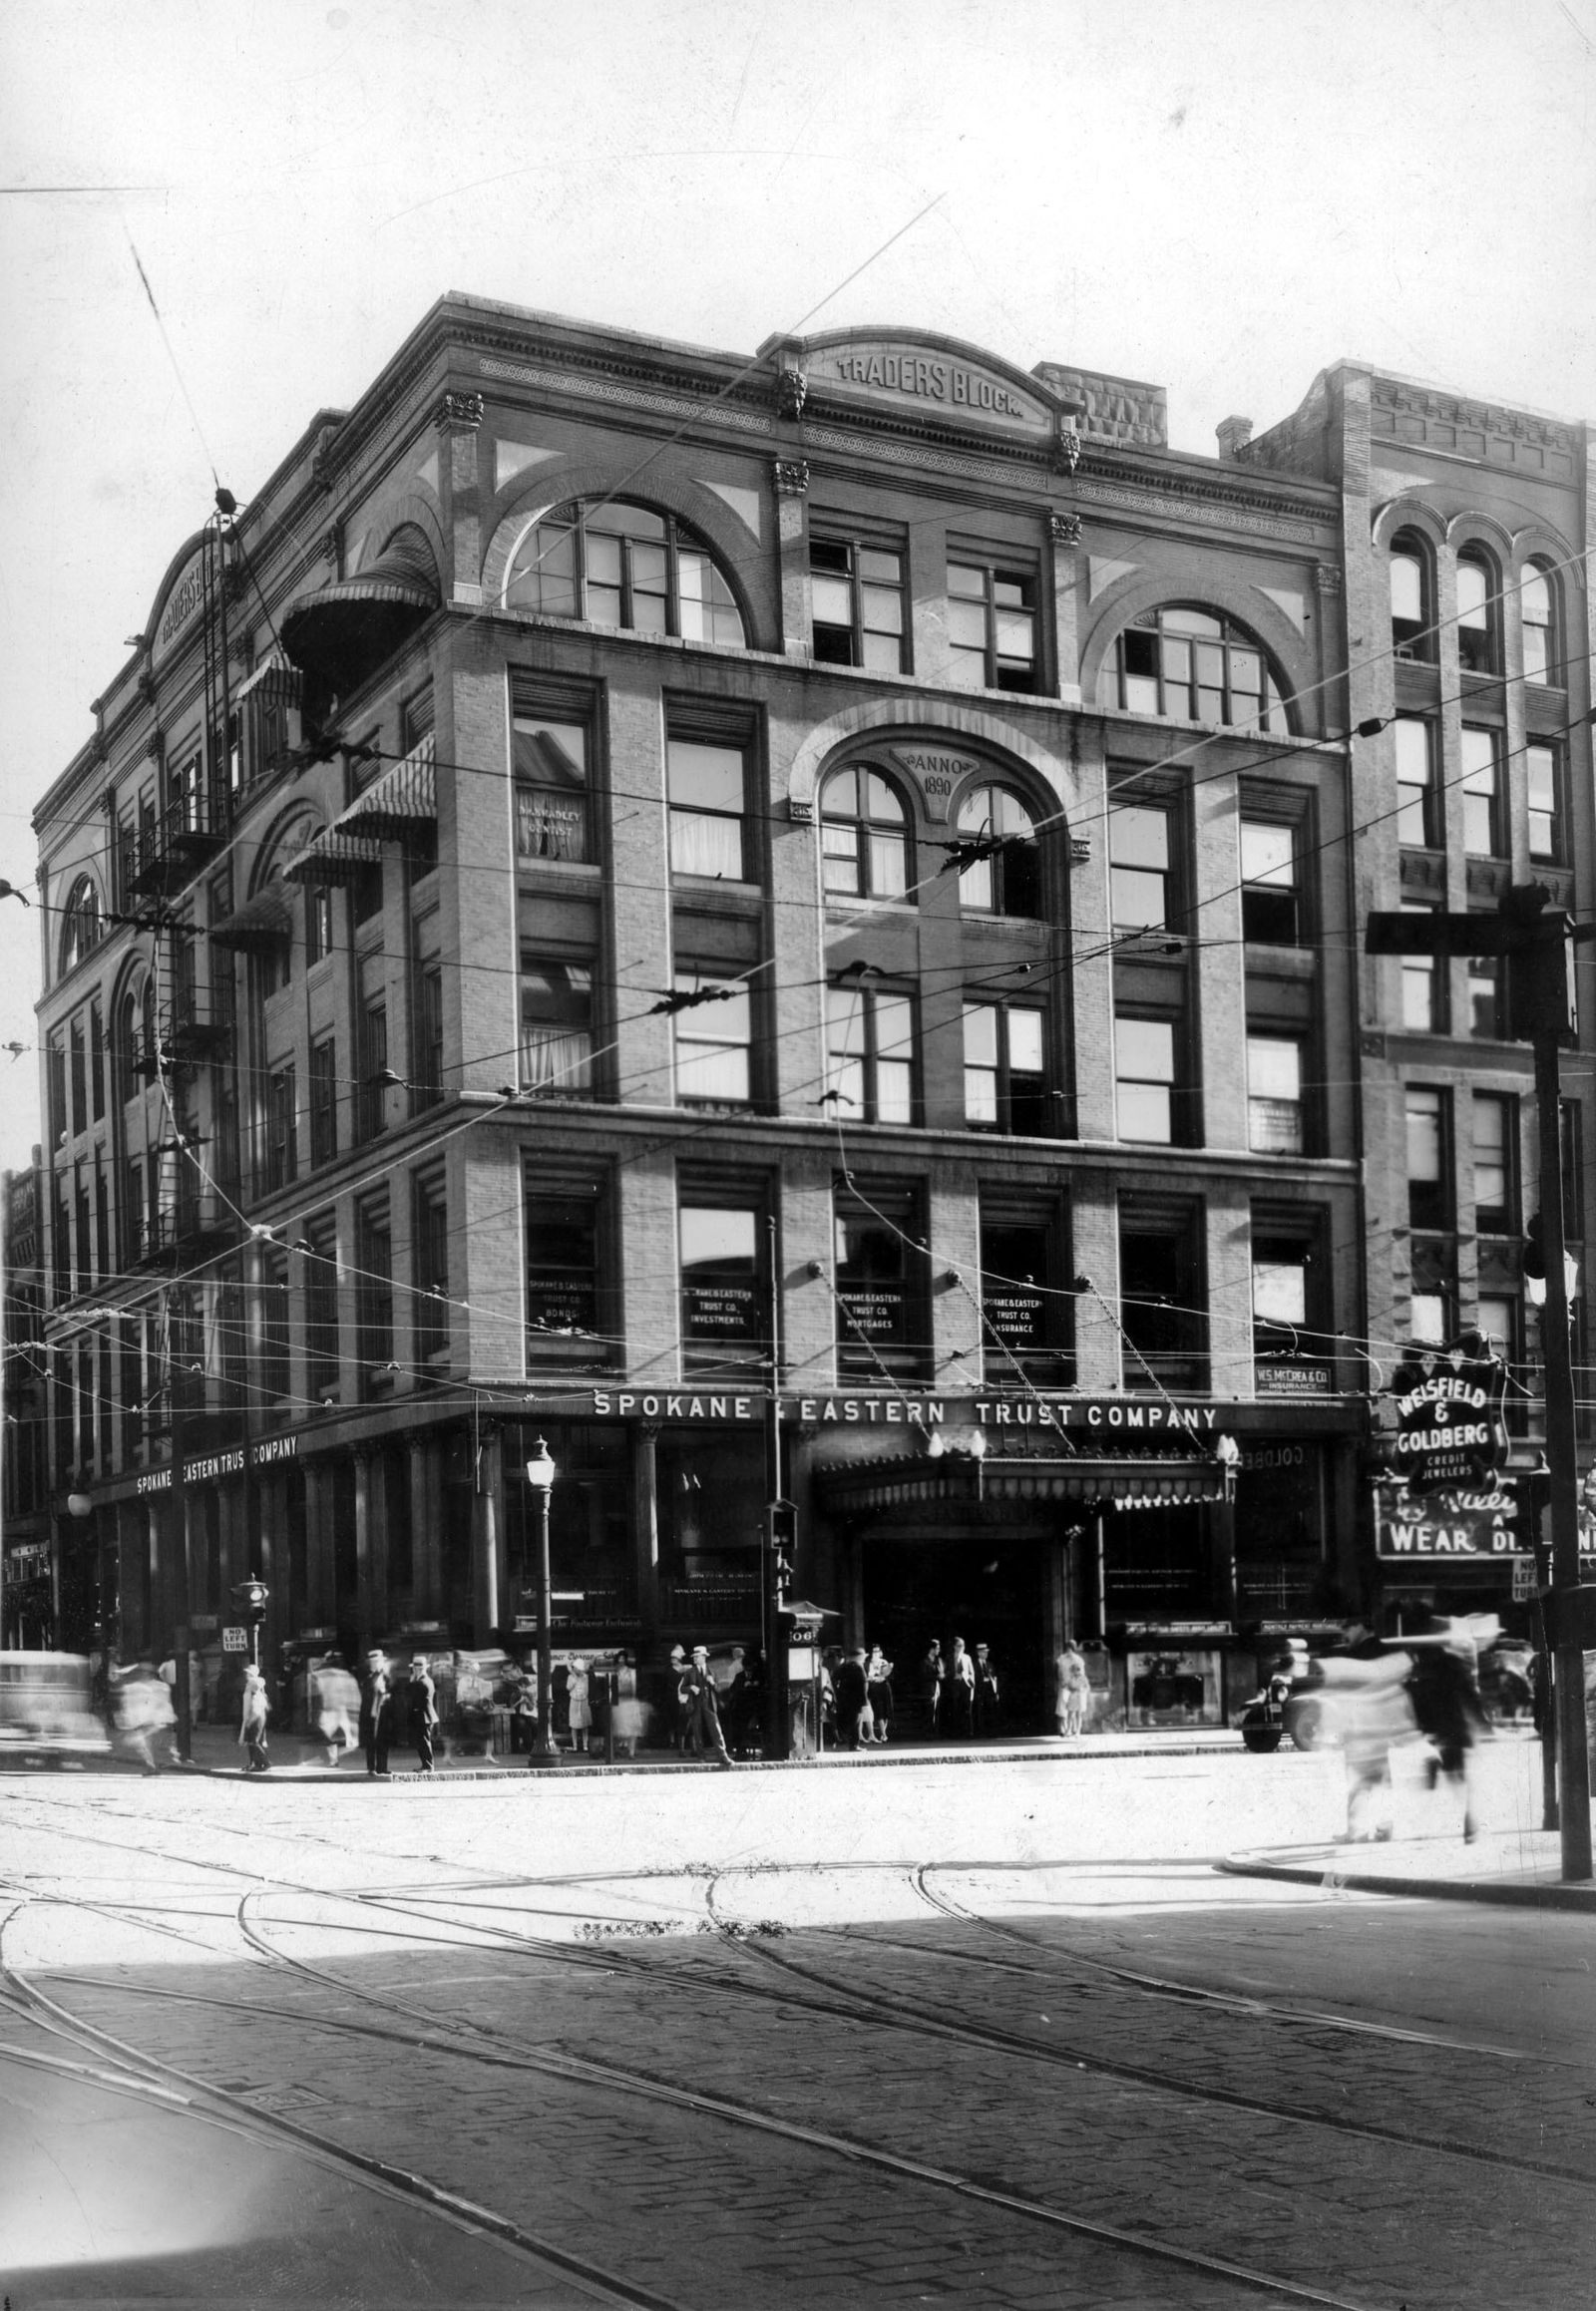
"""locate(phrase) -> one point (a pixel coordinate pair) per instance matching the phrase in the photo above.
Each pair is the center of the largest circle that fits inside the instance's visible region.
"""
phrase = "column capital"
(462, 410)
(791, 476)
(1065, 528)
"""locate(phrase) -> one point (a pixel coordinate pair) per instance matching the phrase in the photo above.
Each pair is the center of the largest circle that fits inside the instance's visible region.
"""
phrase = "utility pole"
(1535, 939)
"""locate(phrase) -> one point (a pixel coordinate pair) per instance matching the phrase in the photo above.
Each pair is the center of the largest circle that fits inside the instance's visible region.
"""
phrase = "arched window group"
(1192, 665)
(1482, 605)
(867, 844)
(627, 566)
(82, 926)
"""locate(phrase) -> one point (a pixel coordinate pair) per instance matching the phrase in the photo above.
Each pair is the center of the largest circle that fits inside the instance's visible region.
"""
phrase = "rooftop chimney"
(1234, 434)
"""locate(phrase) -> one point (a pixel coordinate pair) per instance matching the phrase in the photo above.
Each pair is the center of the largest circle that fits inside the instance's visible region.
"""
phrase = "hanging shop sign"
(1448, 1523)
(1451, 1429)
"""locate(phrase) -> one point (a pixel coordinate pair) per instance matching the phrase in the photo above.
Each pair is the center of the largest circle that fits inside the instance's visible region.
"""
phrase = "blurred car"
(47, 1715)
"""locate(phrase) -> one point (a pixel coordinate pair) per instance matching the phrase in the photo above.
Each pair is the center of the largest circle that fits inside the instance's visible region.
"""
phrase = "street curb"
(567, 1771)
(1515, 1897)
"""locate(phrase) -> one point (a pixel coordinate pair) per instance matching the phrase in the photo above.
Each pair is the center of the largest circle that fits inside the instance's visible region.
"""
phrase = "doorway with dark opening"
(987, 1590)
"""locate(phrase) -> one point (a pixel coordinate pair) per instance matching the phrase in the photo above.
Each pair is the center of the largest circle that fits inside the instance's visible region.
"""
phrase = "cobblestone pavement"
(1059, 2075)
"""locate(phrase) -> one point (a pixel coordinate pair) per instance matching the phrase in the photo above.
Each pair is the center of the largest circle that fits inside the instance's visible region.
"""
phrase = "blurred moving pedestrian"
(703, 1710)
(853, 1698)
(983, 1696)
(958, 1694)
(1445, 1691)
(738, 1711)
(878, 1691)
(423, 1711)
(141, 1710)
(627, 1710)
(1364, 1704)
(578, 1706)
(376, 1714)
(1071, 1690)
(677, 1699)
(930, 1677)
(336, 1704)
(253, 1712)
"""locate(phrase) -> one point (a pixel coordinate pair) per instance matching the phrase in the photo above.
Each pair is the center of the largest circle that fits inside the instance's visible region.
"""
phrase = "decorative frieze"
(791, 476)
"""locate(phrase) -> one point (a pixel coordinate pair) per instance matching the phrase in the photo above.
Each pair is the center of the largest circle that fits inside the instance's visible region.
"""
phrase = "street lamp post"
(541, 1478)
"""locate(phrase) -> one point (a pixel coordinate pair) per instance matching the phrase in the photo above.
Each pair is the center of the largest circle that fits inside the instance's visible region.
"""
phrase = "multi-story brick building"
(786, 924)
(27, 1601)
(1467, 536)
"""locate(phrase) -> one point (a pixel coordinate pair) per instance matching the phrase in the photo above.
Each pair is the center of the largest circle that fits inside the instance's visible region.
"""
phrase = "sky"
(1222, 196)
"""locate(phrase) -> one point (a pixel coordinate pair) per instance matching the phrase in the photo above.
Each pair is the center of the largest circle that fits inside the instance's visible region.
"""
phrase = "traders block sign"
(1451, 1429)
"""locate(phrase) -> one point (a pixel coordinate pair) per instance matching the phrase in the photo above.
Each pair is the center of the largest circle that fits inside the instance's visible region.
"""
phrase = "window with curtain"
(1429, 1200)
(1275, 1095)
(556, 1023)
(713, 1039)
(708, 799)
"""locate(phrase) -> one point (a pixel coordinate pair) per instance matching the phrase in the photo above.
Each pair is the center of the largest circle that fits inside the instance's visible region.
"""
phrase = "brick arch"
(1406, 514)
(83, 878)
(528, 496)
(1474, 528)
(890, 717)
(287, 834)
(1290, 659)
(406, 508)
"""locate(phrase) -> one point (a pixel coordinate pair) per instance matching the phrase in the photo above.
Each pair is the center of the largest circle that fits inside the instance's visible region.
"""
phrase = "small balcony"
(173, 849)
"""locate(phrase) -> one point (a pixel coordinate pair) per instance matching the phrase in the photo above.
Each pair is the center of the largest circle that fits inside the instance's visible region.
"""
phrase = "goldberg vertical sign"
(1451, 1429)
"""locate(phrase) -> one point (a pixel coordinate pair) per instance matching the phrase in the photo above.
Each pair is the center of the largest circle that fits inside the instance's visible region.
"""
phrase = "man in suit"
(376, 1713)
(703, 1710)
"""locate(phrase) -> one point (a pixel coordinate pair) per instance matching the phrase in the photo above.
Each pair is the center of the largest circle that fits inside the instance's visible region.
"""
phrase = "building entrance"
(987, 1591)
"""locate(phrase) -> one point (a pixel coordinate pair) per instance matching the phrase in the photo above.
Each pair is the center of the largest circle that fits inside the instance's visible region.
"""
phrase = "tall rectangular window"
(713, 1041)
(563, 1272)
(551, 760)
(1476, 617)
(275, 1341)
(1544, 790)
(1280, 1297)
(1496, 1120)
(372, 1095)
(1005, 1069)
(1429, 1201)
(323, 1100)
(96, 1062)
(318, 922)
(556, 1023)
(724, 1321)
(319, 1273)
(1275, 1095)
(1145, 1079)
(880, 1281)
(427, 1087)
(1025, 1311)
(870, 1048)
(1571, 1143)
(1417, 819)
(1422, 987)
(80, 1079)
(283, 1129)
(1487, 1010)
(430, 1258)
(858, 603)
(1140, 870)
(1270, 899)
(991, 626)
(131, 1382)
(1163, 1311)
(1485, 815)
(374, 1287)
(708, 800)
(56, 1081)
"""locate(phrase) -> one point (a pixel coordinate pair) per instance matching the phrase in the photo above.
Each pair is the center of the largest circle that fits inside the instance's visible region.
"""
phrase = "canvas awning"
(343, 631)
(333, 857)
(863, 1485)
(404, 797)
(260, 924)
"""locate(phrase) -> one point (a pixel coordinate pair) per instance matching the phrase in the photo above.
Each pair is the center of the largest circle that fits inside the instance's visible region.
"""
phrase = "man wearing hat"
(703, 1710)
(676, 1697)
(376, 1713)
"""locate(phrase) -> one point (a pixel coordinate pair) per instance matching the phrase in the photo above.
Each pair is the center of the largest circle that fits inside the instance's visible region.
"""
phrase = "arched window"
(1413, 600)
(1537, 611)
(864, 835)
(1195, 665)
(623, 566)
(80, 926)
(1010, 881)
(130, 1045)
(1479, 601)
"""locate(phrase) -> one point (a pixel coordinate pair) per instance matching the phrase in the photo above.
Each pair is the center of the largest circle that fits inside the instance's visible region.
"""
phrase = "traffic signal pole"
(1534, 940)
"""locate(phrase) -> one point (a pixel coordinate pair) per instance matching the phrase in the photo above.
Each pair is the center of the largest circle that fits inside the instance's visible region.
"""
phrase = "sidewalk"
(1522, 1868)
(215, 1751)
